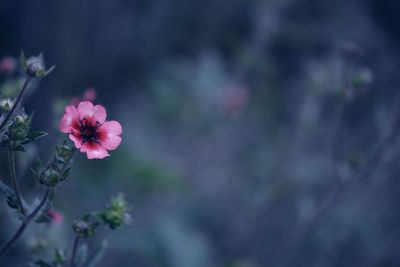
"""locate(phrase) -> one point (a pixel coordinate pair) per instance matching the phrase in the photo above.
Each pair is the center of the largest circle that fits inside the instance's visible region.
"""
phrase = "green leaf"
(59, 257)
(8, 191)
(41, 263)
(43, 218)
(36, 135)
(19, 148)
(10, 195)
(22, 61)
(66, 173)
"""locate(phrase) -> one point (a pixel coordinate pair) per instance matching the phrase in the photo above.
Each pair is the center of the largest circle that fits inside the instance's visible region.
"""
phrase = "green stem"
(28, 220)
(11, 163)
(19, 97)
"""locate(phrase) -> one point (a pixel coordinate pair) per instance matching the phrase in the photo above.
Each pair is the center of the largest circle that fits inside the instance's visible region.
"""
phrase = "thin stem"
(98, 247)
(28, 220)
(375, 159)
(19, 97)
(11, 163)
(74, 248)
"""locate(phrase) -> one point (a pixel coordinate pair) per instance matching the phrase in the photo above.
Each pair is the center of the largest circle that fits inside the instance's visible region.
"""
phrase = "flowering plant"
(90, 133)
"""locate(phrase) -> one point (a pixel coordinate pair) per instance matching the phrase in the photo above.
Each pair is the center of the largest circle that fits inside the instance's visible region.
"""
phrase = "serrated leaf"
(43, 218)
(66, 173)
(36, 135)
(10, 195)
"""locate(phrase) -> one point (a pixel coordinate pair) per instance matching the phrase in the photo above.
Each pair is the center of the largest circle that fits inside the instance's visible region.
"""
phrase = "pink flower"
(7, 65)
(56, 217)
(235, 99)
(90, 94)
(88, 129)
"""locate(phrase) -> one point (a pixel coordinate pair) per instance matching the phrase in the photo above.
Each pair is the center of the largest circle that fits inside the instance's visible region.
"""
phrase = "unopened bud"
(116, 214)
(35, 66)
(19, 129)
(6, 104)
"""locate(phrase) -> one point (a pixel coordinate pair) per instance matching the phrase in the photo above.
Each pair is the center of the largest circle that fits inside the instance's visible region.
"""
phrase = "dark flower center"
(89, 131)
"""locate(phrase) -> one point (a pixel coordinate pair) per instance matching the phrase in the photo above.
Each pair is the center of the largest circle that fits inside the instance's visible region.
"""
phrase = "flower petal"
(100, 113)
(76, 139)
(85, 109)
(88, 110)
(70, 116)
(111, 128)
(94, 151)
(110, 142)
(109, 135)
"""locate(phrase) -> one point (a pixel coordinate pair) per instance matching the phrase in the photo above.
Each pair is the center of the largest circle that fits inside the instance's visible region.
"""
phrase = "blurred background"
(240, 119)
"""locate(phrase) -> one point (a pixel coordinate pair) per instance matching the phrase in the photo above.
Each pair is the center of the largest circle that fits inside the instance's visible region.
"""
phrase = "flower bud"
(50, 177)
(19, 129)
(34, 66)
(85, 229)
(116, 215)
(6, 104)
(64, 150)
(81, 228)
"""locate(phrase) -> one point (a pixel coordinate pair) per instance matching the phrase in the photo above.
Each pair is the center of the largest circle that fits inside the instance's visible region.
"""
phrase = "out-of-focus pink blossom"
(234, 99)
(56, 217)
(90, 94)
(8, 65)
(88, 129)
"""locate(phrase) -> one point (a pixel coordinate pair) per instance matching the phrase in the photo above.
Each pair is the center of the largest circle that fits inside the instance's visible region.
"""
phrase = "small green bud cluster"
(83, 228)
(19, 129)
(116, 214)
(56, 170)
(17, 133)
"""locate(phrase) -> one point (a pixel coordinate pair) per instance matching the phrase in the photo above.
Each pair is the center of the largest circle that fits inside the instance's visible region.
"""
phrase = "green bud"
(34, 66)
(50, 177)
(19, 128)
(116, 215)
(64, 150)
(84, 229)
(6, 104)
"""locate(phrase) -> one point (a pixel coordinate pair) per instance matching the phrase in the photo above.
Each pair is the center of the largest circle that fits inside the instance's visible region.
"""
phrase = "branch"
(10, 113)
(24, 224)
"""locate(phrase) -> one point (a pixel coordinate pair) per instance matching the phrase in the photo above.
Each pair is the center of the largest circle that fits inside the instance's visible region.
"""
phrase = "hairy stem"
(28, 220)
(74, 248)
(13, 175)
(19, 97)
